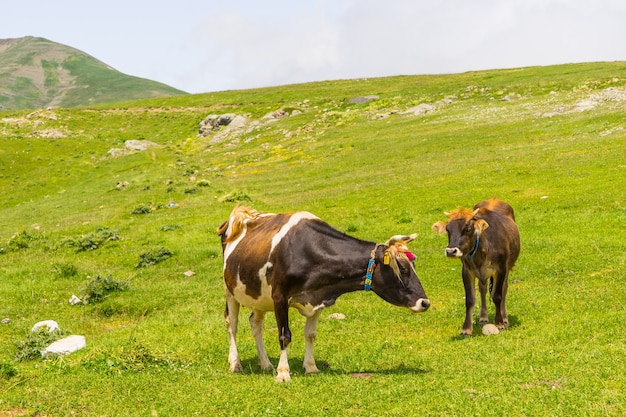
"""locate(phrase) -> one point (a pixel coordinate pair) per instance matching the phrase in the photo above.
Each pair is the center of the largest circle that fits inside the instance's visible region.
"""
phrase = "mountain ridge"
(37, 73)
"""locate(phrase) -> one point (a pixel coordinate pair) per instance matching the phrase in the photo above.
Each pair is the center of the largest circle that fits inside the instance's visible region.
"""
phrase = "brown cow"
(276, 261)
(486, 239)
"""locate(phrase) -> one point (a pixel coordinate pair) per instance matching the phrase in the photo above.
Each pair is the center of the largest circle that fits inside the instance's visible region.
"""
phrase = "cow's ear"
(480, 225)
(440, 227)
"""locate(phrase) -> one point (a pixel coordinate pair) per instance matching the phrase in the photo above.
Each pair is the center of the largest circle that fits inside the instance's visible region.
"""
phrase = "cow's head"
(463, 228)
(394, 279)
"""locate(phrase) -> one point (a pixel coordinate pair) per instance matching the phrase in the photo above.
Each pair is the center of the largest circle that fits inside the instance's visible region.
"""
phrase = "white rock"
(337, 316)
(50, 324)
(74, 300)
(489, 329)
(65, 346)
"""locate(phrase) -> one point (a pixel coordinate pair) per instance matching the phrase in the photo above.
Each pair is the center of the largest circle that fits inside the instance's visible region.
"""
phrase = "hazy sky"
(206, 45)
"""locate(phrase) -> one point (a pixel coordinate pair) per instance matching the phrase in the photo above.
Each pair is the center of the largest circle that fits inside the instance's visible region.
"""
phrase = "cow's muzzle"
(421, 305)
(453, 252)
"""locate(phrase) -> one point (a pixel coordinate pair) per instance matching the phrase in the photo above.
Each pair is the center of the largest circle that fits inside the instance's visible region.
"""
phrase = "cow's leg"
(484, 313)
(500, 287)
(310, 334)
(470, 301)
(256, 324)
(232, 317)
(281, 310)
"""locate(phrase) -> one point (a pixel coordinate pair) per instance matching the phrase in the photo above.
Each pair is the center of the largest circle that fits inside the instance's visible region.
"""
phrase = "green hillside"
(37, 73)
(133, 232)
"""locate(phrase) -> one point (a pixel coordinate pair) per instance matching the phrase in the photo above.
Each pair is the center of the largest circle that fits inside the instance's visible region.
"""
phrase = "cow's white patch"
(263, 303)
(230, 247)
(293, 220)
(307, 310)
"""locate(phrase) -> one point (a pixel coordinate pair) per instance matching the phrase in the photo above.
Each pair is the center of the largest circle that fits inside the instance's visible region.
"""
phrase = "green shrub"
(170, 227)
(142, 209)
(63, 270)
(94, 240)
(153, 257)
(132, 357)
(30, 348)
(99, 287)
(7, 370)
(234, 197)
(20, 241)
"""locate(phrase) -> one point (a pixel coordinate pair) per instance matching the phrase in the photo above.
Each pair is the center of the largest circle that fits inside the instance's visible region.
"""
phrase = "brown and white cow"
(276, 261)
(486, 239)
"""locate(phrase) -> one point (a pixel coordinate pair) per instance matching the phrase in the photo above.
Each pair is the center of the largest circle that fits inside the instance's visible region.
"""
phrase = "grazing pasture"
(551, 141)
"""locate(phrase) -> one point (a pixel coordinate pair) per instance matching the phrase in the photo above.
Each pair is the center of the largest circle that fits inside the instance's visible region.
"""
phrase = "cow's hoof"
(283, 377)
(313, 370)
(236, 367)
(266, 366)
(465, 335)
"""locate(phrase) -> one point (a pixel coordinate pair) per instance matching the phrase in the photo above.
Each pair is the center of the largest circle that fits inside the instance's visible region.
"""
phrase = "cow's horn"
(401, 238)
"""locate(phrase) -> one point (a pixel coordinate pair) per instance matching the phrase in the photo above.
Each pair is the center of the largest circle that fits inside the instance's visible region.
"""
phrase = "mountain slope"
(35, 72)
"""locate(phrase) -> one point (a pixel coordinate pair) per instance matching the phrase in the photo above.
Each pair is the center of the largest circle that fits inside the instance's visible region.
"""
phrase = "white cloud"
(206, 45)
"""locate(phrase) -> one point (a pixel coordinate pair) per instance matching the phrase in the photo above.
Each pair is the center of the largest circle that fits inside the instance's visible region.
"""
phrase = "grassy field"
(551, 141)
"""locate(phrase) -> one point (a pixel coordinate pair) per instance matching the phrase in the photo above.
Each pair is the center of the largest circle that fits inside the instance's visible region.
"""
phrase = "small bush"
(99, 288)
(170, 227)
(30, 348)
(94, 240)
(234, 197)
(7, 370)
(153, 257)
(133, 357)
(64, 270)
(20, 241)
(142, 209)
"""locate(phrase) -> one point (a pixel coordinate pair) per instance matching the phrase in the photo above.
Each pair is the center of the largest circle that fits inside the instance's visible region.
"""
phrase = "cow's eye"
(468, 229)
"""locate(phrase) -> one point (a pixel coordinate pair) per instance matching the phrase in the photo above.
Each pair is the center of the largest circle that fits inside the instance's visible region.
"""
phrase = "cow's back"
(502, 236)
(497, 206)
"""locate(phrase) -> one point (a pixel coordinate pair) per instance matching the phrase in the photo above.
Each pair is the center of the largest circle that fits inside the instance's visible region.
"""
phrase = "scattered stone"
(115, 152)
(65, 346)
(337, 316)
(75, 300)
(421, 109)
(221, 125)
(363, 99)
(189, 273)
(50, 324)
(48, 134)
(277, 114)
(490, 329)
(6, 320)
(139, 145)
